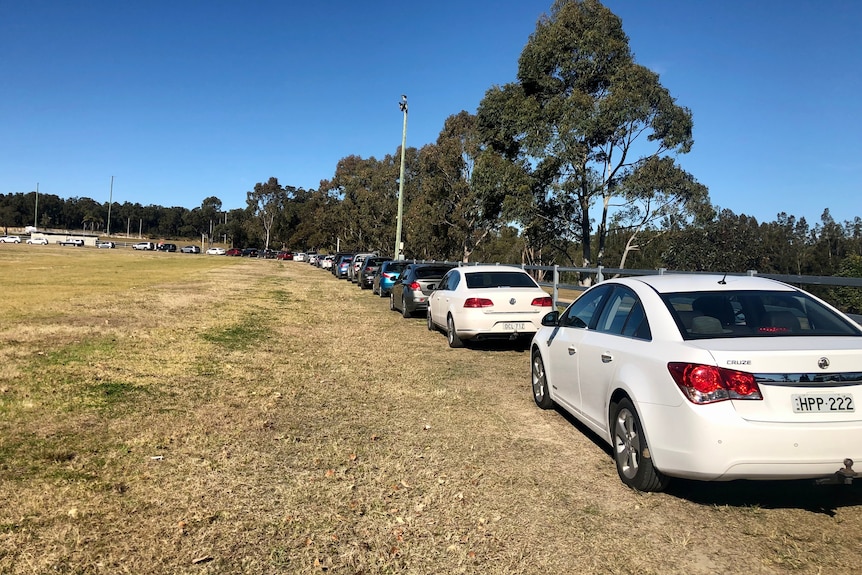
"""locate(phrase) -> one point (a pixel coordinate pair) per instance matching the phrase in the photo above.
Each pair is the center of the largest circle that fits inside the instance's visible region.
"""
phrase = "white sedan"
(215, 251)
(707, 377)
(38, 241)
(487, 302)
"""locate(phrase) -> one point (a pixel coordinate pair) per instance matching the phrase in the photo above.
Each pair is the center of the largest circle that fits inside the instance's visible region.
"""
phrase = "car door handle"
(572, 350)
(607, 358)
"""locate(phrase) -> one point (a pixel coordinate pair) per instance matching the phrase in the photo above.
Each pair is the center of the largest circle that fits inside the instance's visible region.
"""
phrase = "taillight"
(388, 276)
(415, 286)
(478, 302)
(542, 302)
(709, 384)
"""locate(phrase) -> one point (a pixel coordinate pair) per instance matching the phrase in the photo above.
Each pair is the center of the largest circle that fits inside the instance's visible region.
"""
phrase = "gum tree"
(594, 130)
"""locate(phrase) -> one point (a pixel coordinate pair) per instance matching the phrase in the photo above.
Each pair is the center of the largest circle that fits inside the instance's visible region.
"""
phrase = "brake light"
(478, 302)
(415, 286)
(388, 275)
(709, 384)
(542, 302)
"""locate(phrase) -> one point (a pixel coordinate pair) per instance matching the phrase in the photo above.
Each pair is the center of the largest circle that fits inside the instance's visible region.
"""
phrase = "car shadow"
(519, 345)
(804, 494)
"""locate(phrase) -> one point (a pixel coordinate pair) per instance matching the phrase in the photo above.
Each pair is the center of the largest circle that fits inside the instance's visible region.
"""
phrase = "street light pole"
(110, 203)
(399, 251)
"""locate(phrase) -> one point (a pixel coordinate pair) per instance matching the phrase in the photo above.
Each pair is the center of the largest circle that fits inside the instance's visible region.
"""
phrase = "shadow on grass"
(804, 494)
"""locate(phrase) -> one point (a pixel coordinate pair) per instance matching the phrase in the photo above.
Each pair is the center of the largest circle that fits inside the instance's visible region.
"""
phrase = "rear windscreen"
(499, 280)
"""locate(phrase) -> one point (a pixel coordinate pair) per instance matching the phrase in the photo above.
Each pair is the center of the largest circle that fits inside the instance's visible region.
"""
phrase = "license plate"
(823, 403)
(514, 326)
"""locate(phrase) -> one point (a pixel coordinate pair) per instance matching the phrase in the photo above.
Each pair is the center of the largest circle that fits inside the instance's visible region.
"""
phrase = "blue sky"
(185, 99)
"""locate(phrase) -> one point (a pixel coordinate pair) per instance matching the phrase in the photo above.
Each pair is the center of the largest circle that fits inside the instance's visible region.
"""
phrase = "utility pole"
(110, 203)
(399, 247)
(36, 214)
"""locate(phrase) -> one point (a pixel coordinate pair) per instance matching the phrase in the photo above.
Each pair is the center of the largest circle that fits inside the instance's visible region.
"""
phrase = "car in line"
(368, 270)
(144, 246)
(38, 241)
(475, 303)
(106, 245)
(10, 240)
(386, 275)
(409, 294)
(163, 247)
(341, 265)
(356, 264)
(299, 257)
(284, 255)
(234, 252)
(249, 252)
(325, 262)
(216, 251)
(190, 250)
(707, 377)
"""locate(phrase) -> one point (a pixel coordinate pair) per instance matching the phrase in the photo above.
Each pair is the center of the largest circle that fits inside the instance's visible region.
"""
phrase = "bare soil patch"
(249, 416)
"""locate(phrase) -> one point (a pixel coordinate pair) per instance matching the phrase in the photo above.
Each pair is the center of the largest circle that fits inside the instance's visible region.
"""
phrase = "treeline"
(574, 163)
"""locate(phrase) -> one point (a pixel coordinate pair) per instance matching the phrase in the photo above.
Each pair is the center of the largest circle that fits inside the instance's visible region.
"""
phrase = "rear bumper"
(711, 442)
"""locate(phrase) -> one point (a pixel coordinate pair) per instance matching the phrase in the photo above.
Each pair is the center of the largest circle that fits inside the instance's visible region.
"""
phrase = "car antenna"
(722, 280)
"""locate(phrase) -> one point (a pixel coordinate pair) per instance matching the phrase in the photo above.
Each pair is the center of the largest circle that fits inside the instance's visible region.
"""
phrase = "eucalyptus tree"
(590, 124)
(264, 204)
(454, 202)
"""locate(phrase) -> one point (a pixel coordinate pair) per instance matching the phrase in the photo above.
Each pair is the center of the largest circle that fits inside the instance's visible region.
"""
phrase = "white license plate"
(514, 326)
(823, 403)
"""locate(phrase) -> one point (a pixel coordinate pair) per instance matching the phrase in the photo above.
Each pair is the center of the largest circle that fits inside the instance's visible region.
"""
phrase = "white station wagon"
(707, 377)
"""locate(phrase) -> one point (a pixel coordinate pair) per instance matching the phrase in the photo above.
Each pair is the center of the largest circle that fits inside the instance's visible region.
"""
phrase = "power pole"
(399, 247)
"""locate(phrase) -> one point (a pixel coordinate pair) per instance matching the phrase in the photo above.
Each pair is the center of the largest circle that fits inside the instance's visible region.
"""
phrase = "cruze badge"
(512, 301)
(823, 362)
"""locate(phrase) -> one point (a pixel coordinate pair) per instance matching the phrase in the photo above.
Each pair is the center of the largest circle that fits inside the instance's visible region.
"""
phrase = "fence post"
(599, 277)
(556, 294)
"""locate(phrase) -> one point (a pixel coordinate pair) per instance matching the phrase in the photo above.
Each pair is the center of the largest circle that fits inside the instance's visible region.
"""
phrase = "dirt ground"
(260, 417)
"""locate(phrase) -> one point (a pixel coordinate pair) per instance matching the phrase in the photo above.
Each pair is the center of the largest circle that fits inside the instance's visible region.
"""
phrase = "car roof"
(673, 283)
(490, 268)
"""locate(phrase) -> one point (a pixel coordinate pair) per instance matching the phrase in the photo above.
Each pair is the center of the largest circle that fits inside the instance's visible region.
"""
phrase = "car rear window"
(754, 314)
(428, 273)
(499, 279)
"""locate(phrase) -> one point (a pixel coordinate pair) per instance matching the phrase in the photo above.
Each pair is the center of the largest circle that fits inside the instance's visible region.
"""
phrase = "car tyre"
(451, 335)
(539, 378)
(631, 452)
(404, 311)
(430, 322)
(392, 302)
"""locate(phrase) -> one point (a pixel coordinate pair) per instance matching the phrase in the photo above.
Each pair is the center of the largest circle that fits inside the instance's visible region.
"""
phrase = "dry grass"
(169, 413)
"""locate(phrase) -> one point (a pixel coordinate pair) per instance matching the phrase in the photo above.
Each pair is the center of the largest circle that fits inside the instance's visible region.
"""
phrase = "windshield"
(754, 314)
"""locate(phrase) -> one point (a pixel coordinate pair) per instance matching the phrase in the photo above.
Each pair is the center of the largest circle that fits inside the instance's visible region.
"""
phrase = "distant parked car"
(77, 242)
(190, 250)
(249, 252)
(38, 241)
(355, 264)
(326, 262)
(487, 302)
(339, 268)
(166, 247)
(106, 245)
(386, 275)
(410, 292)
(368, 269)
(10, 239)
(216, 251)
(299, 257)
(284, 255)
(313, 258)
(234, 252)
(144, 246)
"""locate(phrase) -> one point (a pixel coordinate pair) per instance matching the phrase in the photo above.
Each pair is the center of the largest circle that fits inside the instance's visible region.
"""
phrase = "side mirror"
(432, 287)
(550, 319)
